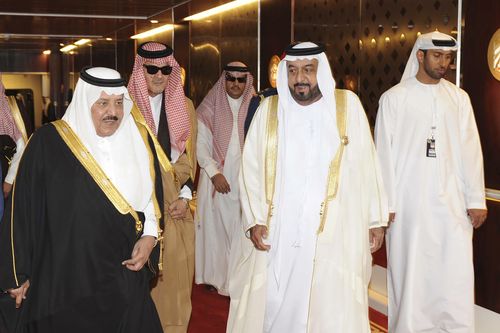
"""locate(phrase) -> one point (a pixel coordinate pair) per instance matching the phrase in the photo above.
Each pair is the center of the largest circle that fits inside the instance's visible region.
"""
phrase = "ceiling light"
(154, 31)
(46, 52)
(68, 48)
(109, 38)
(154, 21)
(219, 9)
(82, 41)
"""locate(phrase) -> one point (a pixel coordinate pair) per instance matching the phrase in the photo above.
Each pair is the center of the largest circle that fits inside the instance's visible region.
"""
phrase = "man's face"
(435, 62)
(156, 82)
(235, 84)
(303, 81)
(107, 114)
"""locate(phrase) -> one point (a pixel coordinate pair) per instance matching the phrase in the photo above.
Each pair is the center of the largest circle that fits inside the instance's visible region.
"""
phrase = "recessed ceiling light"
(154, 31)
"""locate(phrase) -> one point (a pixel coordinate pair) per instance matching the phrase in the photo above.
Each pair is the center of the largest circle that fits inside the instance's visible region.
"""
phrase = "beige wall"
(27, 81)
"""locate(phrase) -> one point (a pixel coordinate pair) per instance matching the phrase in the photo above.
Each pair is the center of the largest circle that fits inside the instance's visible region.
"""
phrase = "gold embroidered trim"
(189, 153)
(190, 144)
(334, 170)
(95, 171)
(12, 235)
(162, 157)
(18, 119)
(271, 154)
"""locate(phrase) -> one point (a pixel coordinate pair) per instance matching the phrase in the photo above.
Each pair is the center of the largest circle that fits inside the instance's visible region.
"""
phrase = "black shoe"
(210, 288)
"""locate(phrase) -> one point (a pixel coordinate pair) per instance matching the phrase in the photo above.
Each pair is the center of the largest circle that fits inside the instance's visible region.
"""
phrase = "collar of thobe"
(235, 103)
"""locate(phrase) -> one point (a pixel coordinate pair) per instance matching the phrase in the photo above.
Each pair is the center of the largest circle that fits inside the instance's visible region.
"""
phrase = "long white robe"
(217, 215)
(14, 163)
(307, 282)
(429, 246)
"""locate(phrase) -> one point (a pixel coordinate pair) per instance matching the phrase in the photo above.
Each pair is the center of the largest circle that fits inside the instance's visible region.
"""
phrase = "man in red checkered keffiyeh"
(156, 88)
(221, 119)
(8, 131)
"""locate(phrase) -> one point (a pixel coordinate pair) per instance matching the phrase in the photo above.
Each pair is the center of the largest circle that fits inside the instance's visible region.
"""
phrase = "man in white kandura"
(221, 119)
(313, 207)
(431, 159)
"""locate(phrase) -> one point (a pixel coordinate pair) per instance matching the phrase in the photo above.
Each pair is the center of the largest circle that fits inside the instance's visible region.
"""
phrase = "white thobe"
(218, 215)
(123, 176)
(429, 246)
(309, 146)
(14, 163)
(307, 282)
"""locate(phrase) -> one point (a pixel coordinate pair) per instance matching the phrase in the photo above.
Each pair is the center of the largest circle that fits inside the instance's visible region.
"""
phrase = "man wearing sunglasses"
(221, 118)
(156, 87)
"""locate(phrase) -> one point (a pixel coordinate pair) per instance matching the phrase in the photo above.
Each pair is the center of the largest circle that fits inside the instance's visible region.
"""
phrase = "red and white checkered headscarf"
(215, 112)
(175, 101)
(7, 124)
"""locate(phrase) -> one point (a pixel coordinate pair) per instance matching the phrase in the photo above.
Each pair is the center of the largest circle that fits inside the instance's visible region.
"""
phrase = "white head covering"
(122, 155)
(326, 83)
(431, 41)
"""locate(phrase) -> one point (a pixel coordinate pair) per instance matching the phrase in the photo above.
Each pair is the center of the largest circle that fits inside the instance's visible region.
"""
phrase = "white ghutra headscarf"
(123, 155)
(431, 41)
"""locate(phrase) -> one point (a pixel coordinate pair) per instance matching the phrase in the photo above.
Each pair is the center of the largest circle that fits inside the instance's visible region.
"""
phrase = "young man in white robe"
(221, 119)
(431, 159)
(313, 207)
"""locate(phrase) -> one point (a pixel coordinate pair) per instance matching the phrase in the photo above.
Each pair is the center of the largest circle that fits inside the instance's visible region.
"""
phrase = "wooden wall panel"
(487, 258)
(481, 21)
(276, 26)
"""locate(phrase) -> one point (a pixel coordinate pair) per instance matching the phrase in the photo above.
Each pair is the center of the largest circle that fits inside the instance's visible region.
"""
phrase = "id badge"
(431, 148)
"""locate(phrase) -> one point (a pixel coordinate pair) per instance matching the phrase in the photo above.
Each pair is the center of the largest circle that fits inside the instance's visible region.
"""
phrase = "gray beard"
(313, 95)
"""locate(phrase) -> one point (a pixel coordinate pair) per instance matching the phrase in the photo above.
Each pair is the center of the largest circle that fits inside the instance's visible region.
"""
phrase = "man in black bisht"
(77, 242)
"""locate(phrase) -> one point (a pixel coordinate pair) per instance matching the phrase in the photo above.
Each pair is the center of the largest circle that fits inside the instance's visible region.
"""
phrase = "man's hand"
(376, 238)
(220, 183)
(140, 253)
(178, 209)
(6, 189)
(392, 216)
(19, 293)
(257, 233)
(477, 216)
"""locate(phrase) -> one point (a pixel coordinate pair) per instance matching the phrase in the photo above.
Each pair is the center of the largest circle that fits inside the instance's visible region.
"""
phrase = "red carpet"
(210, 313)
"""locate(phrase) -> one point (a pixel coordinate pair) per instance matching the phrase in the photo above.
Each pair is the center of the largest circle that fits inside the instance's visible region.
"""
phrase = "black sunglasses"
(152, 69)
(231, 78)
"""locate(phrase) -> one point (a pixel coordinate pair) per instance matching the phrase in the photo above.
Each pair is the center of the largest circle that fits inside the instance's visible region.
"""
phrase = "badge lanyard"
(431, 142)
